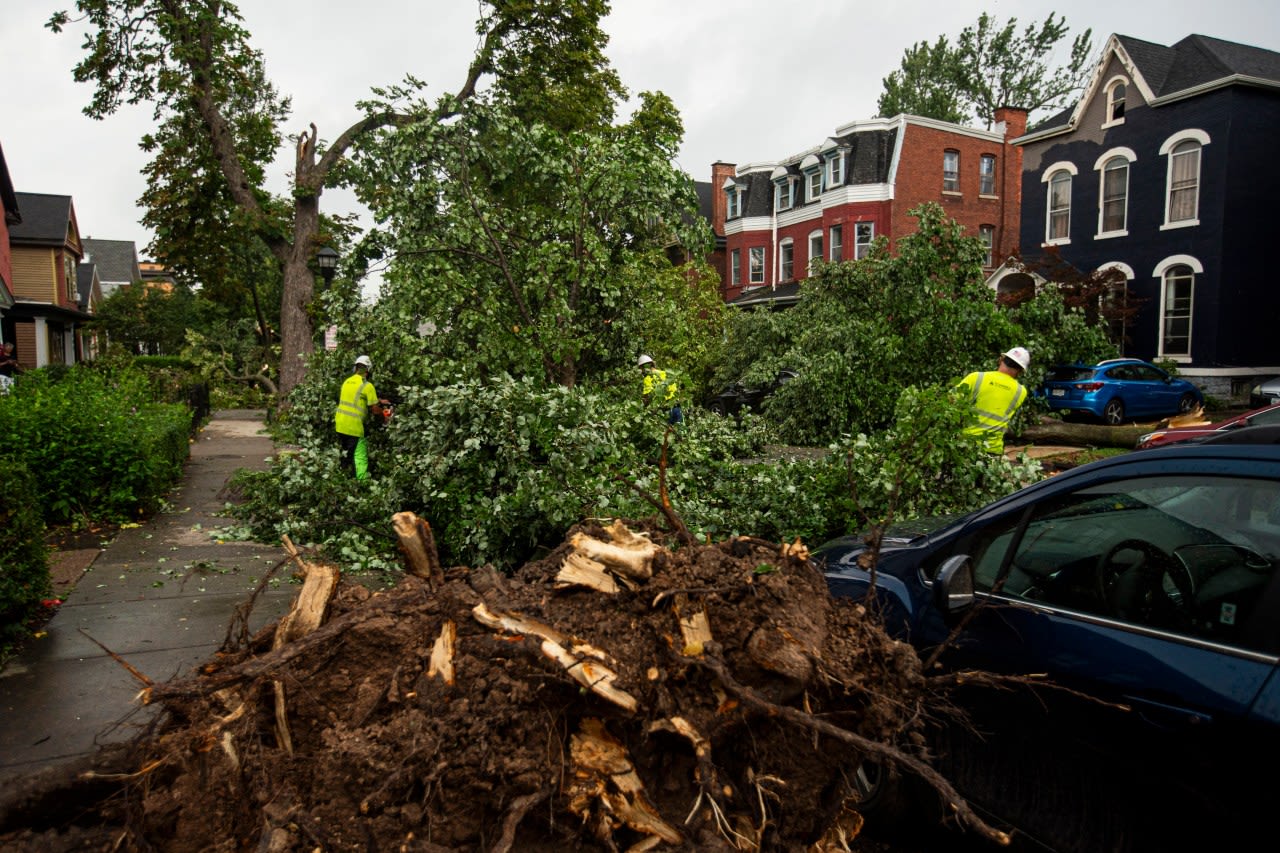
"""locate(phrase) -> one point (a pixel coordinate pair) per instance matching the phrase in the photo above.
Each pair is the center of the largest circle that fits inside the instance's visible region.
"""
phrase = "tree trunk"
(1084, 434)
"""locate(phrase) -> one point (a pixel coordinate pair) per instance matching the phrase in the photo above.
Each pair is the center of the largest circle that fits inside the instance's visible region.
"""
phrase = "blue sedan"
(1119, 389)
(1143, 591)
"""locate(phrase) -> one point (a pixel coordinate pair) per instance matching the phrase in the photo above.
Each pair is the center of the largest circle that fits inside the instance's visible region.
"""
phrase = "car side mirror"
(953, 585)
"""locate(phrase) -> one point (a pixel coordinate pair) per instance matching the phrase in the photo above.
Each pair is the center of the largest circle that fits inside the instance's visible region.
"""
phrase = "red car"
(1173, 435)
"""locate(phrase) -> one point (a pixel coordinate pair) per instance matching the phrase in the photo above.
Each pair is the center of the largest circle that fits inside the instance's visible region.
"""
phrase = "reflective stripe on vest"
(353, 410)
(995, 404)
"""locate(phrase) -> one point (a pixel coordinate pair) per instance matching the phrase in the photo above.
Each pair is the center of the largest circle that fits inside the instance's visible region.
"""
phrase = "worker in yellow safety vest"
(658, 385)
(355, 401)
(996, 395)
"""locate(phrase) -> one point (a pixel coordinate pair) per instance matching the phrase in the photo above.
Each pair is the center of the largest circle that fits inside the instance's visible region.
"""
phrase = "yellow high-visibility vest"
(655, 379)
(995, 396)
(354, 401)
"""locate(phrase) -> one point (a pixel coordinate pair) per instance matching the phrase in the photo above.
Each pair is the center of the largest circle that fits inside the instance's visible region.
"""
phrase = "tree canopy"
(194, 63)
(988, 66)
(864, 330)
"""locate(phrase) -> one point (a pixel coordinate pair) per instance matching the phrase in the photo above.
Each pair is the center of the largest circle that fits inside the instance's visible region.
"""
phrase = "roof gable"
(116, 260)
(1163, 74)
(8, 198)
(45, 219)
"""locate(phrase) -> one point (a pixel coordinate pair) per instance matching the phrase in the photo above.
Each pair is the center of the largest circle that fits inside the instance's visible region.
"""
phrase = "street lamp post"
(327, 260)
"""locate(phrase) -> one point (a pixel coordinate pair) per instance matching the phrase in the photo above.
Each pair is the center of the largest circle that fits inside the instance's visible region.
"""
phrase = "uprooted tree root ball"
(619, 694)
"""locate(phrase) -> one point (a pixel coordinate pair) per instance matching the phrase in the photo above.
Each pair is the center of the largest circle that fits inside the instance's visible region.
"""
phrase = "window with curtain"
(1175, 313)
(1184, 181)
(1115, 194)
(757, 265)
(1059, 223)
(951, 171)
(987, 174)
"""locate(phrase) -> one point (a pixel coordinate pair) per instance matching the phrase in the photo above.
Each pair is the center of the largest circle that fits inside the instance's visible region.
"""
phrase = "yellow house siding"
(35, 275)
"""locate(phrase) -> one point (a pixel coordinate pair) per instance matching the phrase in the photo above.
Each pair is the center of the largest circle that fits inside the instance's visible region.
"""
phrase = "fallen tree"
(620, 694)
(1083, 434)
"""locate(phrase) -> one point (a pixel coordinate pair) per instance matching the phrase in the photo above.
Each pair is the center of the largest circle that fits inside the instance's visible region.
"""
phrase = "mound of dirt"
(708, 697)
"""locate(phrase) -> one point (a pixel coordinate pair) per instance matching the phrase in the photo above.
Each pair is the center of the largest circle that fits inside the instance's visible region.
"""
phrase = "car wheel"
(717, 407)
(1113, 414)
(1187, 404)
(883, 799)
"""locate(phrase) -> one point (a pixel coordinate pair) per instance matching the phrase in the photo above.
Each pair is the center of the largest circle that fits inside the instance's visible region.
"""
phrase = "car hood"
(900, 534)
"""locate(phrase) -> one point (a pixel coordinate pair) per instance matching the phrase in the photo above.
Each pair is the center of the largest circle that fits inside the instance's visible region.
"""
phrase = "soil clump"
(719, 703)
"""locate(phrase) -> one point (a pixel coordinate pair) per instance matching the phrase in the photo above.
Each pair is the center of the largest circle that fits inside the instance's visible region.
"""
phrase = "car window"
(1146, 373)
(1182, 554)
(1121, 372)
(1069, 374)
(1270, 416)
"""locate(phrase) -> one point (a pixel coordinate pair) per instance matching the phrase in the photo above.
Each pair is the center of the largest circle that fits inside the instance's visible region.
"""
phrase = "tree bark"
(1085, 435)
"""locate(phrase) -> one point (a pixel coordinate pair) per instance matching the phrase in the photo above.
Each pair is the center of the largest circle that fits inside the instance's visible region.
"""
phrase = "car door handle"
(1165, 716)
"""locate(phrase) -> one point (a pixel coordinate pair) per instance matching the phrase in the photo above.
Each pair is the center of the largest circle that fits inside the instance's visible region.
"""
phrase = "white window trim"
(1166, 150)
(991, 247)
(781, 187)
(815, 235)
(831, 244)
(1161, 268)
(1099, 166)
(809, 194)
(783, 245)
(1108, 91)
(1045, 178)
(869, 243)
(735, 267)
(834, 160)
(750, 267)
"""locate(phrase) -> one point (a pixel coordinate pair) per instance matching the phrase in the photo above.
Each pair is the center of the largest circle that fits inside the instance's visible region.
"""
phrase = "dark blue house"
(1166, 170)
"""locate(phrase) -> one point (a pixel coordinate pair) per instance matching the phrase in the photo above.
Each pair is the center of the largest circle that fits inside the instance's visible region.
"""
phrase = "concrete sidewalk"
(161, 596)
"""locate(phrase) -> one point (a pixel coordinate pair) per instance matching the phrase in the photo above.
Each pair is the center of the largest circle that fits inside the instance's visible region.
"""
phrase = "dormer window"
(733, 201)
(835, 168)
(1115, 101)
(784, 189)
(811, 166)
(784, 195)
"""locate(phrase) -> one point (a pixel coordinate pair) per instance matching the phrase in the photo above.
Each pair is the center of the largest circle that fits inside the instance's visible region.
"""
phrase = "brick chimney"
(719, 172)
(1012, 123)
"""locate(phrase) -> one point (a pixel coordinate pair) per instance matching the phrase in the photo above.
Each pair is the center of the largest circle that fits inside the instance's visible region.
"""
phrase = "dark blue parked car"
(1117, 390)
(1144, 590)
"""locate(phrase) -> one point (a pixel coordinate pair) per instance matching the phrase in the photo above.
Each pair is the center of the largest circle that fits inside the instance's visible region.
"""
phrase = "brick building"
(831, 201)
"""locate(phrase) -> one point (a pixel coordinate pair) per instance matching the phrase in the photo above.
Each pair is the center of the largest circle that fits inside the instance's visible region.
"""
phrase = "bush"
(24, 571)
(97, 445)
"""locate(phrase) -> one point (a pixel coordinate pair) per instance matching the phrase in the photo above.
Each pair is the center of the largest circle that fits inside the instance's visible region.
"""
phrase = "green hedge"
(24, 570)
(96, 444)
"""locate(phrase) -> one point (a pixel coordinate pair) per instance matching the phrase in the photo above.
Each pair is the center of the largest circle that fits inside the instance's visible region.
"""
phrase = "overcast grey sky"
(753, 79)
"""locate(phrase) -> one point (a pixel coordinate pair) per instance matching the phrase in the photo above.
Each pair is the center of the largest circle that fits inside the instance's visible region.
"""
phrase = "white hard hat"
(1019, 356)
(364, 359)
(643, 360)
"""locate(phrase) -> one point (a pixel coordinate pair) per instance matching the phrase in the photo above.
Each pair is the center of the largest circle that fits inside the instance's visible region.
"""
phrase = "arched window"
(1113, 214)
(1184, 181)
(815, 248)
(1115, 102)
(786, 260)
(1177, 301)
(1058, 226)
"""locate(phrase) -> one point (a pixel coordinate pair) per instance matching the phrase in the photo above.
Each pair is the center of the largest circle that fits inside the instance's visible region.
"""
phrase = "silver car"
(1265, 393)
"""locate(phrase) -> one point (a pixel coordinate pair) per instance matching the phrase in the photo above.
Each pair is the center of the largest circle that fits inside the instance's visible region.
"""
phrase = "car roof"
(1109, 362)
